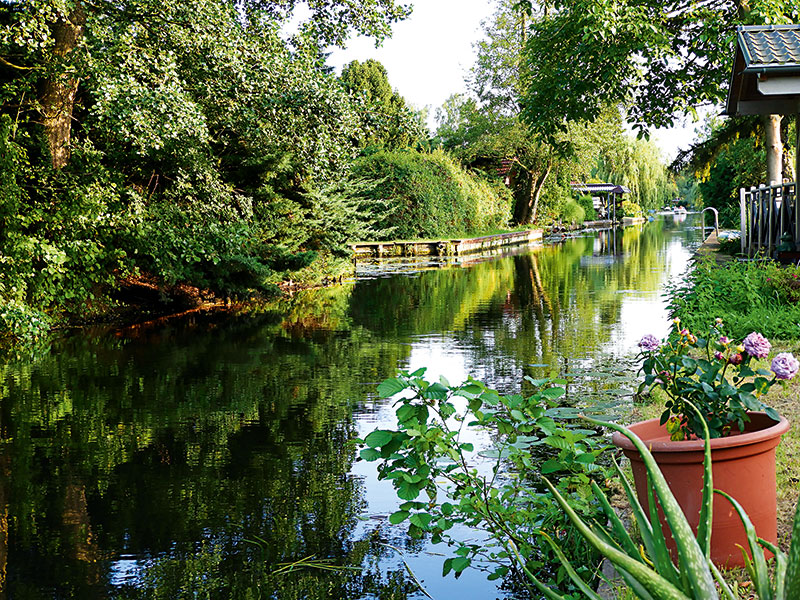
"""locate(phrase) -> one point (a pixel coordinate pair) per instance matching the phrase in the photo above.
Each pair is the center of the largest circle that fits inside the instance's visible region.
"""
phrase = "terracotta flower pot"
(743, 465)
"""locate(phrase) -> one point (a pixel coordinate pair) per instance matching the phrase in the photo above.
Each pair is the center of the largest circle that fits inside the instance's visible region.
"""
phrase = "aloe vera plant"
(650, 572)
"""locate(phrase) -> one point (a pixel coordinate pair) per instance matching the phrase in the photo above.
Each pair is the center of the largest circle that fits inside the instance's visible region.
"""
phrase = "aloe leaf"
(658, 587)
(723, 585)
(548, 593)
(791, 586)
(758, 569)
(707, 503)
(693, 563)
(576, 579)
(638, 591)
(661, 558)
(781, 563)
(645, 529)
(620, 533)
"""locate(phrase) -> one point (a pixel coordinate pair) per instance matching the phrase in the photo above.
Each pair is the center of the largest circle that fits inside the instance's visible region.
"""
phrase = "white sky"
(430, 53)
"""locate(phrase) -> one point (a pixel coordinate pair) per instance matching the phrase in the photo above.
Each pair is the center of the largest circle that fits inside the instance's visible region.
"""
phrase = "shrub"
(572, 212)
(587, 204)
(741, 293)
(422, 195)
(631, 209)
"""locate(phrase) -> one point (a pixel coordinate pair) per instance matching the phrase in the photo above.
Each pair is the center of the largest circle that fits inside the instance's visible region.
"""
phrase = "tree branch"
(13, 66)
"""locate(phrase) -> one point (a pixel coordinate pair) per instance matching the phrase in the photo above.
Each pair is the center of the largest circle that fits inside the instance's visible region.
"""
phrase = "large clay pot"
(743, 465)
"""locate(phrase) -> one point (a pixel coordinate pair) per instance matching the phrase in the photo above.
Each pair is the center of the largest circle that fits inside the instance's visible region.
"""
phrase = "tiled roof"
(770, 46)
(600, 187)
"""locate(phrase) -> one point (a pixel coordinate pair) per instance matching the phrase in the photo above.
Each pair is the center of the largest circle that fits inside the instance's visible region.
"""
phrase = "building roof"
(766, 71)
(767, 48)
(600, 187)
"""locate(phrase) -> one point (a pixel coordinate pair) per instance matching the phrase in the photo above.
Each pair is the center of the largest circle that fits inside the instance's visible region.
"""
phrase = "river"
(196, 457)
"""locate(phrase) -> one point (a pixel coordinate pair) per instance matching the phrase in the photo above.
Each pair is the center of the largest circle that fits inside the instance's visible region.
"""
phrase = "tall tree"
(48, 45)
(385, 117)
(657, 58)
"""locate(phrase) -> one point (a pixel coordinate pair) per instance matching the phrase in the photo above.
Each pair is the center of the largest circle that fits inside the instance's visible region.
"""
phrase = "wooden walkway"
(452, 247)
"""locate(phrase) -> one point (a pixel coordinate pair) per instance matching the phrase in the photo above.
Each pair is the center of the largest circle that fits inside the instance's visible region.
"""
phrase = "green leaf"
(369, 454)
(551, 466)
(398, 517)
(378, 438)
(460, 563)
(421, 520)
(390, 387)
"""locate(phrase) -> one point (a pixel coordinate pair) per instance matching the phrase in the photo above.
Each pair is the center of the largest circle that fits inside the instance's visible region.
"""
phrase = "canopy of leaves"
(657, 58)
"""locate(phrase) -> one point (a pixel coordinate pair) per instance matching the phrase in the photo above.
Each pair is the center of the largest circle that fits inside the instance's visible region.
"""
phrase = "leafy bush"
(741, 293)
(572, 212)
(631, 209)
(433, 466)
(422, 195)
(587, 204)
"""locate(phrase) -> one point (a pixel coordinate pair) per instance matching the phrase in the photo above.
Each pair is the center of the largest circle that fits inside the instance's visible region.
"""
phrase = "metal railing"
(716, 220)
(769, 218)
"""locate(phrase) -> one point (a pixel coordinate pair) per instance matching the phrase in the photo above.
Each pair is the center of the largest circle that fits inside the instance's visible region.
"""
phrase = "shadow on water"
(198, 458)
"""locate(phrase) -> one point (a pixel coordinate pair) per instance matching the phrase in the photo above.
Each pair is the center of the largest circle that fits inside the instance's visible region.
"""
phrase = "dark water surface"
(196, 457)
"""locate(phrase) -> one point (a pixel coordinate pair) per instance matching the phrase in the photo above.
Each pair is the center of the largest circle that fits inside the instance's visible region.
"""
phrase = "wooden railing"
(770, 219)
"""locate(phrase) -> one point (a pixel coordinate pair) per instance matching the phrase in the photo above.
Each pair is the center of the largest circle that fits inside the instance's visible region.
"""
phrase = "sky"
(430, 53)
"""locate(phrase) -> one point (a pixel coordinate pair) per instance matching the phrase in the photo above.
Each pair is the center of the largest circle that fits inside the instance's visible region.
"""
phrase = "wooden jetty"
(451, 247)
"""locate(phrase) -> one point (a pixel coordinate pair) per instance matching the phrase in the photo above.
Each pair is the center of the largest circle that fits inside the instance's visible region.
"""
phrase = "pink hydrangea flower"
(757, 345)
(649, 343)
(785, 366)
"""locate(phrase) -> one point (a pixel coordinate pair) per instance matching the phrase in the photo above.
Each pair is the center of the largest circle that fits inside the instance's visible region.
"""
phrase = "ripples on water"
(195, 458)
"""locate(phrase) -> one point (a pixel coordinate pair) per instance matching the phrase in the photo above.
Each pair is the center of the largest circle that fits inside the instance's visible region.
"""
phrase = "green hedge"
(425, 195)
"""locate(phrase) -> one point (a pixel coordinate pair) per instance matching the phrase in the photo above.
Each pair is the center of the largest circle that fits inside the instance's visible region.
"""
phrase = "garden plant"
(715, 374)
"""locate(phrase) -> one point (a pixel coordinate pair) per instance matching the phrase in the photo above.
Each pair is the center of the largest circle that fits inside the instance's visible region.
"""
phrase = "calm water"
(193, 458)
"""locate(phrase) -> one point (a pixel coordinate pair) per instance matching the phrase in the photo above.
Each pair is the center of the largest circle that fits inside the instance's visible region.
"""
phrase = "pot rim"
(662, 443)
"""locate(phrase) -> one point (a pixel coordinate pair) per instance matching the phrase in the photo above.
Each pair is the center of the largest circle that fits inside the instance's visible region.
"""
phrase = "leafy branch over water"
(446, 479)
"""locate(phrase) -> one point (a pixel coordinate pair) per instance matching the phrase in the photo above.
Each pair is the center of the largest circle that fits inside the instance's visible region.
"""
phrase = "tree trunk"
(772, 128)
(535, 193)
(58, 93)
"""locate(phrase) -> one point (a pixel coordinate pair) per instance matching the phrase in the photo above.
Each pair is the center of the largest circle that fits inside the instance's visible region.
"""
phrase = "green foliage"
(695, 576)
(659, 59)
(434, 467)
(786, 283)
(203, 147)
(741, 164)
(386, 120)
(631, 209)
(709, 381)
(587, 204)
(571, 212)
(741, 293)
(420, 195)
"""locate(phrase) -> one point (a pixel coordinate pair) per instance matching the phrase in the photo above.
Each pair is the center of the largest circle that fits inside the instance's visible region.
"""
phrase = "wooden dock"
(451, 247)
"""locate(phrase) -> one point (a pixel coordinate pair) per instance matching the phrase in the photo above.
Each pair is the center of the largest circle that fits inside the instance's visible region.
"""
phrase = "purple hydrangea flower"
(785, 366)
(649, 343)
(757, 345)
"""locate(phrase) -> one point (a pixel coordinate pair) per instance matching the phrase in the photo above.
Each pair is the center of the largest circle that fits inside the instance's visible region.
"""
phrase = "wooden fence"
(770, 219)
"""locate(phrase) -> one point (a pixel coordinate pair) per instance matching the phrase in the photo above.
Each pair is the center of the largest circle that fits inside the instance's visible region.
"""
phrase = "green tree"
(657, 58)
(386, 119)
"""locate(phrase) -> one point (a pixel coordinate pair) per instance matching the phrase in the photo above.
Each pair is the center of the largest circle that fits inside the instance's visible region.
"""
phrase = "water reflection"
(199, 457)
